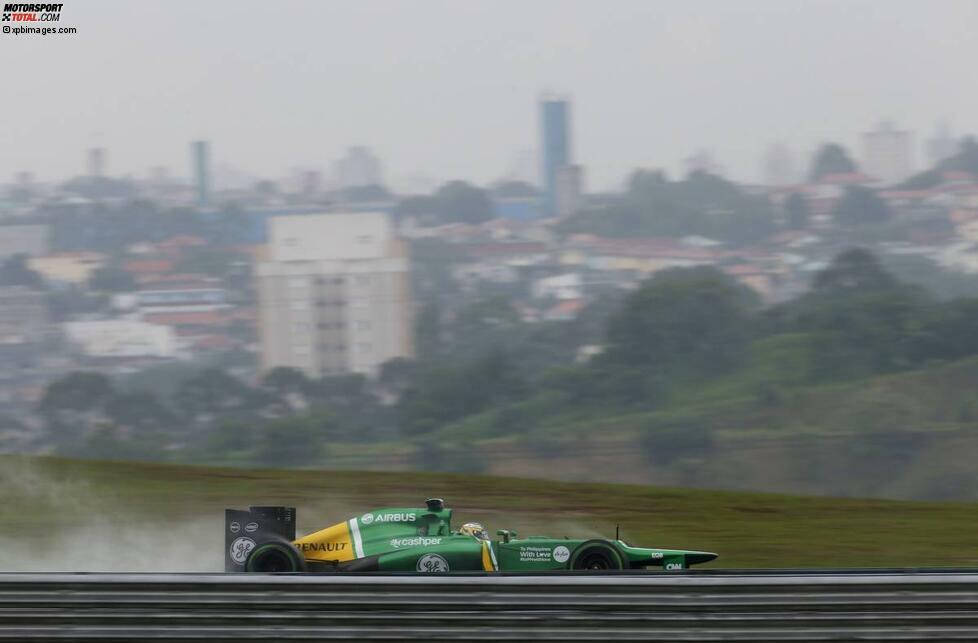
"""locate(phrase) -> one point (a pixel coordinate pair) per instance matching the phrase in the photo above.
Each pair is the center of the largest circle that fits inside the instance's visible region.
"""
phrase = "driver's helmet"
(474, 529)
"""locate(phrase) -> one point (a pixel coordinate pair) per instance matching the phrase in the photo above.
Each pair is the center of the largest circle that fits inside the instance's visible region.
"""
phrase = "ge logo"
(561, 554)
(367, 518)
(432, 563)
(240, 549)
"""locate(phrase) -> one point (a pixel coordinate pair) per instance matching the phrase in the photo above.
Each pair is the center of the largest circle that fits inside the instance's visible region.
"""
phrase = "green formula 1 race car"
(262, 539)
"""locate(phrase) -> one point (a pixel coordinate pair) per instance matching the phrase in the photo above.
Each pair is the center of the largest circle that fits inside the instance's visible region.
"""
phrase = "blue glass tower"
(556, 149)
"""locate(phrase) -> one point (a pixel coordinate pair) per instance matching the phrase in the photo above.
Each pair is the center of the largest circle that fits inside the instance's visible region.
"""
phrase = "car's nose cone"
(696, 557)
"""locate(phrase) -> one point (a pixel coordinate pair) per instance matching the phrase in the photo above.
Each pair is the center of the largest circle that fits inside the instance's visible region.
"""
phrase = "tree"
(290, 442)
(462, 202)
(81, 391)
(831, 159)
(215, 393)
(859, 319)
(701, 204)
(514, 189)
(286, 379)
(671, 438)
(230, 437)
(449, 393)
(110, 442)
(861, 206)
(427, 330)
(139, 410)
(964, 160)
(397, 373)
(111, 279)
(796, 212)
(418, 205)
(75, 404)
(682, 321)
(366, 193)
(854, 269)
(231, 225)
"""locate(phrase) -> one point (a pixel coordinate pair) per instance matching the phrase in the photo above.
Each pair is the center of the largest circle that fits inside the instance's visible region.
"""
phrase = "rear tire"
(596, 556)
(275, 558)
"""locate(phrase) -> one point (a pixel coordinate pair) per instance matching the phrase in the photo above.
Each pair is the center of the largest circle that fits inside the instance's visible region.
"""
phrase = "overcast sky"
(448, 88)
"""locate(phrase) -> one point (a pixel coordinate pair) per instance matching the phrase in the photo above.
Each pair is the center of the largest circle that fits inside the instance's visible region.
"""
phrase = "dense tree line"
(701, 204)
(112, 228)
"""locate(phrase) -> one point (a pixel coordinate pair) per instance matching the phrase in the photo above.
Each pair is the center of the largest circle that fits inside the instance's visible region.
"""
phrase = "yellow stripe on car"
(331, 544)
(488, 558)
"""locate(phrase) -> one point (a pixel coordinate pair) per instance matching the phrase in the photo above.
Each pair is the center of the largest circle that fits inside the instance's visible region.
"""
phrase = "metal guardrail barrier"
(698, 606)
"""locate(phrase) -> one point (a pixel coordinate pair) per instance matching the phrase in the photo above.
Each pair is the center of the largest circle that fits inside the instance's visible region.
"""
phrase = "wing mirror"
(506, 534)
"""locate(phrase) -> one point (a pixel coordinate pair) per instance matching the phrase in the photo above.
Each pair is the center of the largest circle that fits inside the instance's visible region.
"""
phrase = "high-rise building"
(888, 153)
(779, 166)
(556, 147)
(570, 189)
(943, 145)
(96, 162)
(358, 168)
(702, 161)
(334, 294)
(200, 153)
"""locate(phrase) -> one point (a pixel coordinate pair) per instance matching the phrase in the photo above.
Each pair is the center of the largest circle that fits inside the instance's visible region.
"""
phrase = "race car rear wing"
(243, 530)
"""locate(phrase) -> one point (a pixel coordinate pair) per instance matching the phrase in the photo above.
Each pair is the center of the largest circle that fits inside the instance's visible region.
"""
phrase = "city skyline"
(650, 84)
(923, 150)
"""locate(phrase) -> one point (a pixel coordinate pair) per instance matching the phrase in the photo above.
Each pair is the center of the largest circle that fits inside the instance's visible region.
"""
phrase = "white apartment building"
(334, 294)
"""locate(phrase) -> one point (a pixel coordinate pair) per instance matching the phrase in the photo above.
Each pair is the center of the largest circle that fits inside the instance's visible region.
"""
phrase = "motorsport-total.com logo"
(20, 12)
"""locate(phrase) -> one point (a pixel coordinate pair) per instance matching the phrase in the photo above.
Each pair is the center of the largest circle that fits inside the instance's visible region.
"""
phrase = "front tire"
(596, 556)
(275, 558)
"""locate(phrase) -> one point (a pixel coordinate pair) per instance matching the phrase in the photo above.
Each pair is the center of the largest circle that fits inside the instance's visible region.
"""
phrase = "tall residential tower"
(334, 294)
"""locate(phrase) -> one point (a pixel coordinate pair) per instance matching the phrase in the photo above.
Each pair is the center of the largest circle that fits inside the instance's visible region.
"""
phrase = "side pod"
(244, 530)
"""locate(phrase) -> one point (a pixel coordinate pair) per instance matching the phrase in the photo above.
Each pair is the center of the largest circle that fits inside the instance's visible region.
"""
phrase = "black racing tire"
(275, 557)
(596, 556)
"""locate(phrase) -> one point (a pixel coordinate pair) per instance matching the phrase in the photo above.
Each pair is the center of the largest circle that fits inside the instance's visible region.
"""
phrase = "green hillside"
(911, 435)
(69, 514)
